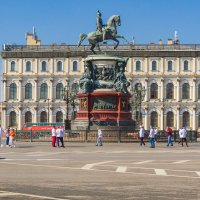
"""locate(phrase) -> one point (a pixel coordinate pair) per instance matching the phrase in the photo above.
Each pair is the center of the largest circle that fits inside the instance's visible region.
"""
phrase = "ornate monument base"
(103, 95)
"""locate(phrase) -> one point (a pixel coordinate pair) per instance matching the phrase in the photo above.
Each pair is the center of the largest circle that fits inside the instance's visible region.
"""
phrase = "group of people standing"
(57, 136)
(10, 137)
(169, 133)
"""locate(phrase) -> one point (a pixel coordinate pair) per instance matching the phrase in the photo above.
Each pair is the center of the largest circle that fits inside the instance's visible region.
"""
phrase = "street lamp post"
(138, 96)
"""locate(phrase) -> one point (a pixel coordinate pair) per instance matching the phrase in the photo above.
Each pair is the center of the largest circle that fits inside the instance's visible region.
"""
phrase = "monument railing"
(91, 136)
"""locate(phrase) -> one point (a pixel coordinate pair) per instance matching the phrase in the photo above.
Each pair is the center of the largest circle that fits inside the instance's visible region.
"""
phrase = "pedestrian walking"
(12, 138)
(99, 137)
(7, 136)
(141, 135)
(53, 135)
(58, 136)
(62, 133)
(151, 137)
(169, 136)
(1, 134)
(155, 134)
(184, 136)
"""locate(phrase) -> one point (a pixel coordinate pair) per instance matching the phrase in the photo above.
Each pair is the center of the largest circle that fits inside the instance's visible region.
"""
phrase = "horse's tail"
(81, 38)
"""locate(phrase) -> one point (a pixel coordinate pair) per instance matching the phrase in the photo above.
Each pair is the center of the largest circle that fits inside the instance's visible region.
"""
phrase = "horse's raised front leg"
(92, 48)
(122, 37)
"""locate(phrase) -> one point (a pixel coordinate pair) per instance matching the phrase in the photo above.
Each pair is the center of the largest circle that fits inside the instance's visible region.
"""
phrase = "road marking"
(142, 162)
(89, 166)
(198, 173)
(180, 161)
(121, 169)
(29, 195)
(160, 172)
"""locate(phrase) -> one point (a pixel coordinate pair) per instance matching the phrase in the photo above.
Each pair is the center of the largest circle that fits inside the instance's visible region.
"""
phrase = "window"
(13, 118)
(44, 66)
(75, 66)
(44, 91)
(13, 91)
(138, 66)
(28, 91)
(170, 91)
(59, 66)
(169, 66)
(199, 91)
(186, 119)
(154, 91)
(170, 119)
(199, 120)
(28, 117)
(59, 91)
(12, 67)
(43, 116)
(185, 91)
(28, 66)
(154, 65)
(154, 119)
(59, 116)
(185, 65)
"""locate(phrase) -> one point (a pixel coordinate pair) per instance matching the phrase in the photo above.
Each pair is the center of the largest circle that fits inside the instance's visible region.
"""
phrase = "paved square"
(86, 172)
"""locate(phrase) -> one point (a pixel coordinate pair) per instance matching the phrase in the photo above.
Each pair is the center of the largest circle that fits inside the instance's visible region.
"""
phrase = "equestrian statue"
(103, 32)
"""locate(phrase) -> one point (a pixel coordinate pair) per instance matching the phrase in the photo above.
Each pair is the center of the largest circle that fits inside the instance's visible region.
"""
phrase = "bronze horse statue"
(110, 31)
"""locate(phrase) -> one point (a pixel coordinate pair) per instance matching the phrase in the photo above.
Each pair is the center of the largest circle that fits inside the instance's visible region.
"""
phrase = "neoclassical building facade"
(34, 75)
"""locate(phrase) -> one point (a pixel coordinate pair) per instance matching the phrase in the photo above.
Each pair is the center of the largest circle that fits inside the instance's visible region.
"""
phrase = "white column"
(20, 90)
(36, 87)
(146, 65)
(4, 90)
(146, 119)
(20, 119)
(51, 90)
(194, 119)
(146, 98)
(162, 119)
(178, 90)
(162, 89)
(178, 119)
(194, 90)
(50, 115)
(4, 119)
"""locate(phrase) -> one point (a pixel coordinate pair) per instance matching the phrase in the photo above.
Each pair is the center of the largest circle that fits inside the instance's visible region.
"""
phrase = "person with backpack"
(169, 136)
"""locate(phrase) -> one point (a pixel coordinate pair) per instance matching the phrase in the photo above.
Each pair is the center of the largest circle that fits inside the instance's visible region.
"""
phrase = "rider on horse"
(100, 25)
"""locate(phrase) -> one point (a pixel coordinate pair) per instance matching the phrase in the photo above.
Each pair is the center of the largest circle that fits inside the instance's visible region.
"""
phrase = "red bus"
(42, 126)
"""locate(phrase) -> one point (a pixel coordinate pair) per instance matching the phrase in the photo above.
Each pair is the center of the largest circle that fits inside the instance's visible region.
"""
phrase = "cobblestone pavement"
(86, 172)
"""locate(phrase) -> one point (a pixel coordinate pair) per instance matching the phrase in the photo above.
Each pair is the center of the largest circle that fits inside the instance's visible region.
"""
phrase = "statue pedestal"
(104, 108)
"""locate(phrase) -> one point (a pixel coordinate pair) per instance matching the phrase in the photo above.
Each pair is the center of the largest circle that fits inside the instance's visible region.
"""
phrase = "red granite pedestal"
(107, 109)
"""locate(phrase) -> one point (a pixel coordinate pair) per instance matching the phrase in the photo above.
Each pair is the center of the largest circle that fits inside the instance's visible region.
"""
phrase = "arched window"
(44, 91)
(12, 67)
(185, 91)
(75, 66)
(28, 66)
(44, 66)
(186, 119)
(13, 91)
(199, 91)
(59, 66)
(59, 116)
(28, 91)
(154, 65)
(28, 117)
(170, 119)
(169, 66)
(59, 91)
(170, 91)
(154, 119)
(43, 116)
(138, 65)
(154, 91)
(13, 118)
(185, 65)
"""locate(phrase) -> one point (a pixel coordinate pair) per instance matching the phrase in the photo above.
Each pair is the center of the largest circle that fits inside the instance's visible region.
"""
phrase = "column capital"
(194, 80)
(194, 108)
(162, 80)
(36, 80)
(51, 80)
(20, 80)
(20, 108)
(178, 80)
(146, 80)
(178, 108)
(35, 107)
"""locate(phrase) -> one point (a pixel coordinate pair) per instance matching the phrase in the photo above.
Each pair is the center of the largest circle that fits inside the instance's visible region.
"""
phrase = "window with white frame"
(12, 66)
(154, 65)
(185, 65)
(138, 65)
(169, 65)
(28, 66)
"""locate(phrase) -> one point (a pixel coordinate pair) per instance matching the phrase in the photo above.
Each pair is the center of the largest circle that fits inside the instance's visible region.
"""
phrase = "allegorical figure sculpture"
(103, 32)
(86, 83)
(120, 83)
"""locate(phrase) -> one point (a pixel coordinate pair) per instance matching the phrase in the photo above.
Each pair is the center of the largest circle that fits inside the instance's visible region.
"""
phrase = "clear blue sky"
(58, 21)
